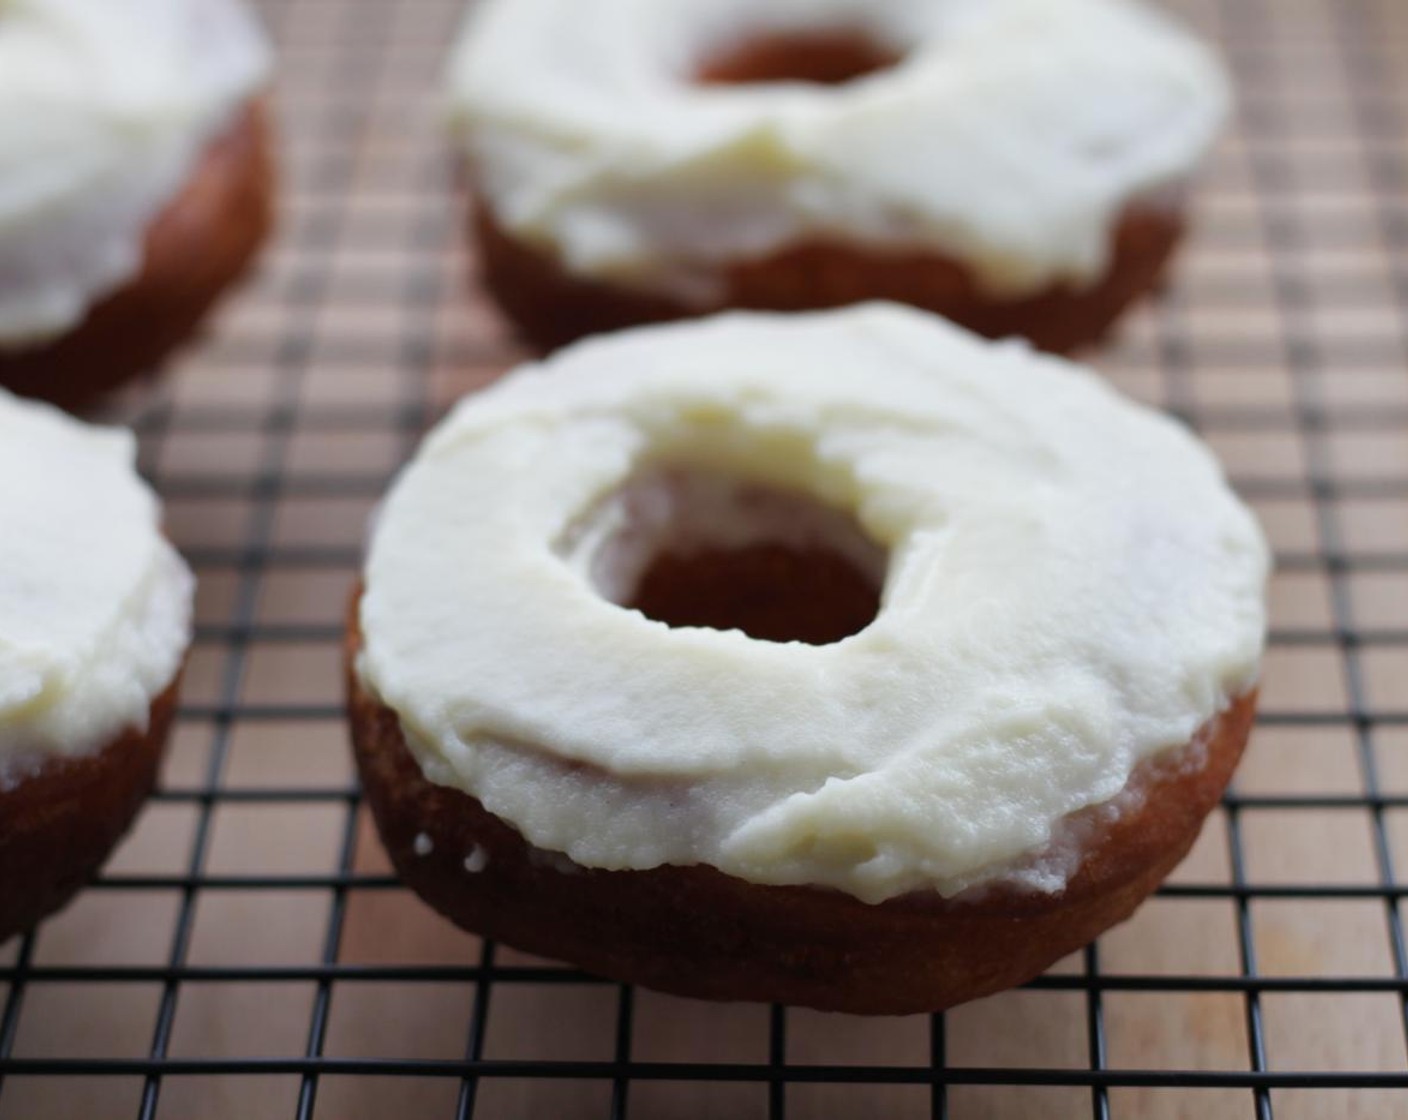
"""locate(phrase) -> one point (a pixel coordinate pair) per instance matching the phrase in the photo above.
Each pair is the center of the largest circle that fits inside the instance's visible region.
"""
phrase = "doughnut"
(95, 618)
(136, 183)
(842, 659)
(1017, 166)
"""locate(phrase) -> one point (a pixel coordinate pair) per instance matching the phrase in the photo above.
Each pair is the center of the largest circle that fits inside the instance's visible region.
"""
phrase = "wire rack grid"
(248, 953)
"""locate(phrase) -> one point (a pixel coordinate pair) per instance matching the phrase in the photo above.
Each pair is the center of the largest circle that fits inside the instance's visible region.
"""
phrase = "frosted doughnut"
(134, 181)
(1015, 166)
(1070, 596)
(95, 620)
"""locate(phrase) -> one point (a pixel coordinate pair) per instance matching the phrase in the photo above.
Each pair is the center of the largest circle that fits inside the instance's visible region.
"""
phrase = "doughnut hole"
(770, 592)
(829, 58)
(690, 548)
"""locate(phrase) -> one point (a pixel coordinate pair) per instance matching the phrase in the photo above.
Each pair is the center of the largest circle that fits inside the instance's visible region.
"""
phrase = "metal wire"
(372, 233)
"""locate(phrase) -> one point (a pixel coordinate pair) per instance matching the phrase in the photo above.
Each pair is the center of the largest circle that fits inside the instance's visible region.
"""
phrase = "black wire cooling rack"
(248, 953)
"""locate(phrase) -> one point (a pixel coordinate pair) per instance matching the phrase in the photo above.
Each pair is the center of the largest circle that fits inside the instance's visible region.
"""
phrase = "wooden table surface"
(251, 914)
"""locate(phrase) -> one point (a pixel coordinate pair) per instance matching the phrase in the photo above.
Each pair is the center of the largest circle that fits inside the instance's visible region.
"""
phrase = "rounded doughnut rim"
(550, 307)
(203, 241)
(60, 822)
(697, 932)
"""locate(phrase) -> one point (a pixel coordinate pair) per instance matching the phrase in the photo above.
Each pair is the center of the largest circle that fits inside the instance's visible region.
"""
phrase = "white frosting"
(104, 108)
(95, 605)
(1011, 136)
(1071, 588)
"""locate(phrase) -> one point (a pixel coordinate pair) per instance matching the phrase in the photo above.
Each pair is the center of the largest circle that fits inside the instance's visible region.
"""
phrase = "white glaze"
(1011, 137)
(1071, 588)
(104, 108)
(95, 605)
